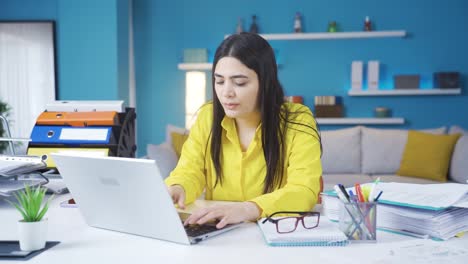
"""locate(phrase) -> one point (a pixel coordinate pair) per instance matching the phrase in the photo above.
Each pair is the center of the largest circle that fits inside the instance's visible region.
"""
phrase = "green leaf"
(29, 203)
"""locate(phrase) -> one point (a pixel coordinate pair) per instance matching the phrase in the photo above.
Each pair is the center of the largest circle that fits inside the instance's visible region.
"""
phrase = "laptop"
(128, 195)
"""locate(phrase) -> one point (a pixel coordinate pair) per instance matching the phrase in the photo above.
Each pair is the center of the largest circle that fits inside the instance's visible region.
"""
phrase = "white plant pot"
(32, 235)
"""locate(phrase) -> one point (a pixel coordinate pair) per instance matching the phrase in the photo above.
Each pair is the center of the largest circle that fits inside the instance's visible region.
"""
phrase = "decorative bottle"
(297, 23)
(254, 26)
(367, 24)
(332, 27)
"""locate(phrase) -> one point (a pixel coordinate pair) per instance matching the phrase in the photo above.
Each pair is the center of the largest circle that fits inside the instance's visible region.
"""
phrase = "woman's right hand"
(177, 193)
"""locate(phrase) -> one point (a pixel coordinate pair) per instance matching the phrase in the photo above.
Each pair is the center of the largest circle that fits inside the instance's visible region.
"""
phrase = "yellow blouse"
(244, 172)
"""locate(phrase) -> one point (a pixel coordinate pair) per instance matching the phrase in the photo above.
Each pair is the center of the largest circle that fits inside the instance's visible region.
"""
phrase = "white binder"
(356, 75)
(373, 75)
(85, 106)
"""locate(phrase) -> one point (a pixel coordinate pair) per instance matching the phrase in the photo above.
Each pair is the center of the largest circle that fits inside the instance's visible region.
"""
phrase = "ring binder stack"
(90, 130)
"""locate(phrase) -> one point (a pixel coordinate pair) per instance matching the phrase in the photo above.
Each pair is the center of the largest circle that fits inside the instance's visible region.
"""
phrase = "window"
(27, 71)
(195, 95)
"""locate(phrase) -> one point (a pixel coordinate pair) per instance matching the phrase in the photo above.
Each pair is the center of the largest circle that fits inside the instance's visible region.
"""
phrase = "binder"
(78, 118)
(325, 234)
(71, 135)
(85, 106)
(45, 153)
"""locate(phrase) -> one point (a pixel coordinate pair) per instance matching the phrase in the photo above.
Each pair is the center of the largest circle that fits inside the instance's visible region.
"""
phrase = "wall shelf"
(195, 66)
(335, 35)
(400, 92)
(205, 66)
(361, 121)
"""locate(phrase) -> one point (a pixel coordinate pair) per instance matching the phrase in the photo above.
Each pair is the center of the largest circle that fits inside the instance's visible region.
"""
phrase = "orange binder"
(78, 119)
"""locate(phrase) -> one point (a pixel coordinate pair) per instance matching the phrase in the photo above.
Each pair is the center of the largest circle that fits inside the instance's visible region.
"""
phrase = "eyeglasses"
(288, 224)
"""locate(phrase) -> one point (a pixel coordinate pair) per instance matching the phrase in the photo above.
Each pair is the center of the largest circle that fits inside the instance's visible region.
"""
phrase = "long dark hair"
(256, 54)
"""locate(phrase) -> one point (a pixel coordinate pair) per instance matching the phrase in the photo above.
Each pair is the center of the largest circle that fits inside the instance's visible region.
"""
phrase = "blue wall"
(92, 44)
(93, 64)
(93, 61)
(28, 9)
(436, 42)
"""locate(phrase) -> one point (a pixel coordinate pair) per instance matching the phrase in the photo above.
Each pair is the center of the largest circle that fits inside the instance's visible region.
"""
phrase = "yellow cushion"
(427, 155)
(178, 141)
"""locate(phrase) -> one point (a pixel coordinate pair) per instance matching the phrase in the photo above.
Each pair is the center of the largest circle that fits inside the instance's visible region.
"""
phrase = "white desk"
(83, 244)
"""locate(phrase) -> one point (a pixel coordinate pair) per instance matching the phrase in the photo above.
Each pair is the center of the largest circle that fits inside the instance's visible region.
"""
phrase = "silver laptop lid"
(122, 194)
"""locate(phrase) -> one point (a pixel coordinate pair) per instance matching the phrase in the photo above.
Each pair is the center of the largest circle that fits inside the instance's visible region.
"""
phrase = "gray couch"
(351, 155)
(361, 154)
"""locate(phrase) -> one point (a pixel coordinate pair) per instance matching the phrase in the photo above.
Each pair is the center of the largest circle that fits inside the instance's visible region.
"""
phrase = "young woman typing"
(248, 145)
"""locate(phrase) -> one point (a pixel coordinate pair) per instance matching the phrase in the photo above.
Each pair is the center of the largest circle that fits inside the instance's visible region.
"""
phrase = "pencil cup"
(358, 221)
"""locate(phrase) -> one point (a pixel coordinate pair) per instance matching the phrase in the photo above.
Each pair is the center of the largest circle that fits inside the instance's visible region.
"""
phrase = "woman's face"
(236, 87)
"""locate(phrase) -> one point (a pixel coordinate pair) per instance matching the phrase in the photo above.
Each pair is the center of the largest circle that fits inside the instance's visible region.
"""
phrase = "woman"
(248, 145)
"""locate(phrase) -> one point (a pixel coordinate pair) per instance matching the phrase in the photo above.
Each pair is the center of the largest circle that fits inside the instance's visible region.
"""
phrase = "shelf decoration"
(403, 92)
(361, 121)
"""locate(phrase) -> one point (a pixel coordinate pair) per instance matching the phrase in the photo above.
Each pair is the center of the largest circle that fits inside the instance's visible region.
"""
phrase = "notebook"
(325, 234)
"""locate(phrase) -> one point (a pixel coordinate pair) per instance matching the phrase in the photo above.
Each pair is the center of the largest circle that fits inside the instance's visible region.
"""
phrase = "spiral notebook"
(325, 234)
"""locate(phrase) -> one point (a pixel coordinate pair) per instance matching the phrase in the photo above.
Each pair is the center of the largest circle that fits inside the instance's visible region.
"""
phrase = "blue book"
(71, 135)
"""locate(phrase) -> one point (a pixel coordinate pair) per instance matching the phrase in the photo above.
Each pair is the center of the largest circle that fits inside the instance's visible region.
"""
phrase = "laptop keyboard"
(198, 230)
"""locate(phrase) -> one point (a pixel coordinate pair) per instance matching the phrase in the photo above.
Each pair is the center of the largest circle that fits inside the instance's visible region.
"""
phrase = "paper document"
(15, 165)
(426, 196)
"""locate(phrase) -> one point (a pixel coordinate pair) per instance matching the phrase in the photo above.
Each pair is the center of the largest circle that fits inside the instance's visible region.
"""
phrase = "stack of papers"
(17, 165)
(436, 210)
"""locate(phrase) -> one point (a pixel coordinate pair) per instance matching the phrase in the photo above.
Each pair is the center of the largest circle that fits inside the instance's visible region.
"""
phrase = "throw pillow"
(178, 141)
(382, 149)
(175, 137)
(341, 150)
(165, 157)
(458, 165)
(427, 156)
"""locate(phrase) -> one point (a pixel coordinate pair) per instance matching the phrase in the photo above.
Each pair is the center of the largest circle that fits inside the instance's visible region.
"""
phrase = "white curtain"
(27, 78)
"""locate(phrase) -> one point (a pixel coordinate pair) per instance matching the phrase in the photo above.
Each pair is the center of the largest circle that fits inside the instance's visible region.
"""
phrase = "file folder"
(79, 119)
(45, 153)
(71, 135)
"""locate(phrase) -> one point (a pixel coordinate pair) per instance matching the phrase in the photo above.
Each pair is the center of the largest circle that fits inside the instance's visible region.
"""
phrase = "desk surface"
(83, 244)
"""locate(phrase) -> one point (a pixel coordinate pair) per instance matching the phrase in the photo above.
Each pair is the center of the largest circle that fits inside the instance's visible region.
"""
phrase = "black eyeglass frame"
(298, 218)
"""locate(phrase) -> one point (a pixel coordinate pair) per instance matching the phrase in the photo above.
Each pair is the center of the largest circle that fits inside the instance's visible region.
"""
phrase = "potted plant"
(32, 228)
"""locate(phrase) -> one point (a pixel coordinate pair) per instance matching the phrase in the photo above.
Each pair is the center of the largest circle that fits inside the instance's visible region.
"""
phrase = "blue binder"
(71, 135)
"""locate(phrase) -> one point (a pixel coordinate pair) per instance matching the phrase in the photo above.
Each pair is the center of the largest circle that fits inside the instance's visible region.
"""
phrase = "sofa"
(360, 154)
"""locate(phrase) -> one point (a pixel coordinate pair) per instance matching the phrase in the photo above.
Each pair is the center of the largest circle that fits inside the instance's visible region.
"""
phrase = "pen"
(378, 196)
(340, 194)
(373, 190)
(343, 189)
(352, 197)
(359, 193)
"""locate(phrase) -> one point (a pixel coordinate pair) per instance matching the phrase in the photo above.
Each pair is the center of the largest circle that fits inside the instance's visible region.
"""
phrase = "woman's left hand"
(226, 214)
